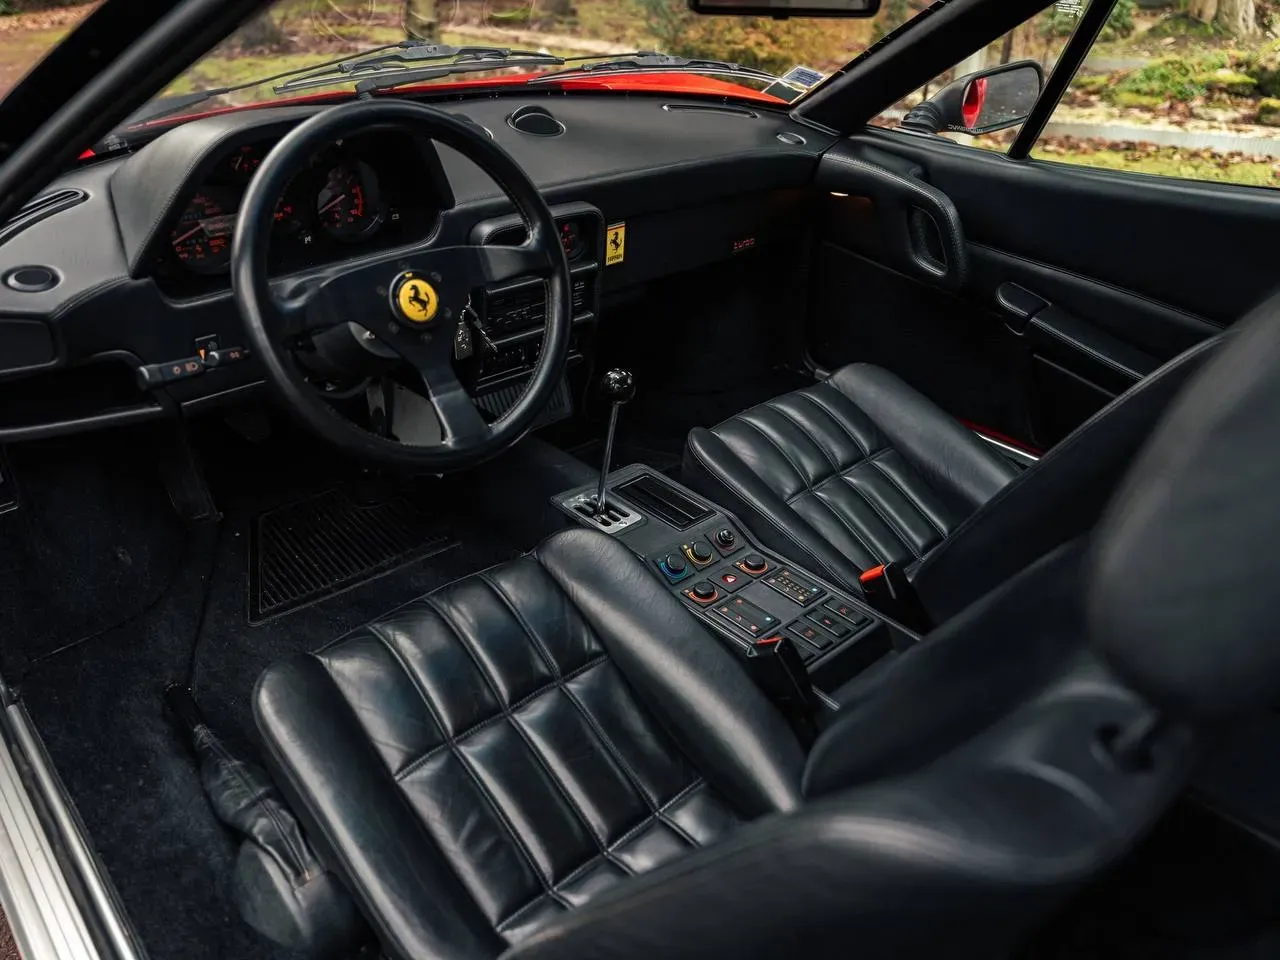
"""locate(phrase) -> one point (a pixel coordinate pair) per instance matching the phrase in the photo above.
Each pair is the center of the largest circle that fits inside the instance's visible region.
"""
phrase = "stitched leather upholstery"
(554, 760)
(987, 521)
(483, 759)
(851, 472)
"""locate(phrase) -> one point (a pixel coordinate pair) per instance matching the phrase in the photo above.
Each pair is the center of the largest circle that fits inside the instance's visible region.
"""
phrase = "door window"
(1178, 89)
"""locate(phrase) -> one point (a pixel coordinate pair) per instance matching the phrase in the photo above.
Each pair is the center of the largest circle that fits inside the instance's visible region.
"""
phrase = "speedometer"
(202, 238)
(348, 205)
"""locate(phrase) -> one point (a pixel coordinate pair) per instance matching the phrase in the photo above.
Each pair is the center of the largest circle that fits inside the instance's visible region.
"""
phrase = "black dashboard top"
(138, 261)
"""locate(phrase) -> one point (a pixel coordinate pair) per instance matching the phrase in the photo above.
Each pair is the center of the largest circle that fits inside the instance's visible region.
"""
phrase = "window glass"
(1180, 89)
(1040, 39)
(292, 34)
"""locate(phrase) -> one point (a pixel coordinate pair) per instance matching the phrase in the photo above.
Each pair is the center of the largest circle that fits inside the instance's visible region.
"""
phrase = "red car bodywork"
(681, 84)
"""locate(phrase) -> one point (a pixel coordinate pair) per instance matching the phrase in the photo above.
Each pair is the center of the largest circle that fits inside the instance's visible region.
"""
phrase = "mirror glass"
(1001, 99)
(788, 8)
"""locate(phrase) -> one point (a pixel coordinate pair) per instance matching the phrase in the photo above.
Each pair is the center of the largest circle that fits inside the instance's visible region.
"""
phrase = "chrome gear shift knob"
(618, 387)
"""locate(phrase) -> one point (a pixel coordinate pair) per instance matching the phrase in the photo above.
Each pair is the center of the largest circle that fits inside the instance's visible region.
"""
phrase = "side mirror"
(981, 102)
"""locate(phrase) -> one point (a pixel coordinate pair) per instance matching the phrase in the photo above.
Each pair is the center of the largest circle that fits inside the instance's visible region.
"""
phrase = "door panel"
(1077, 281)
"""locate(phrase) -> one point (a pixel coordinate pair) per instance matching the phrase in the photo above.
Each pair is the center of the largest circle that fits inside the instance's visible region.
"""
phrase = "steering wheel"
(411, 299)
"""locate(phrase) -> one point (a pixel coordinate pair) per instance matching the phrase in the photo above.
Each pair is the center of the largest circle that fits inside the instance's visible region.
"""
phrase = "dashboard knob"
(704, 590)
(675, 563)
(700, 552)
(753, 563)
(725, 538)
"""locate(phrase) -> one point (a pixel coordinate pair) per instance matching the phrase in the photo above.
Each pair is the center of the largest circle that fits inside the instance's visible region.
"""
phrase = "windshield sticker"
(615, 248)
(1070, 8)
(796, 81)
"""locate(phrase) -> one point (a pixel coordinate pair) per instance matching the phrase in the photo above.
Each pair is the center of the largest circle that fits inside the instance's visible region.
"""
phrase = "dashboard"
(356, 196)
(122, 263)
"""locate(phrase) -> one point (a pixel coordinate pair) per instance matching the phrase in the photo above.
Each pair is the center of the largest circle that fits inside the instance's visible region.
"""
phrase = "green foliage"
(1173, 78)
(1183, 25)
(1269, 111)
(1264, 67)
(1124, 98)
(1230, 82)
(1056, 23)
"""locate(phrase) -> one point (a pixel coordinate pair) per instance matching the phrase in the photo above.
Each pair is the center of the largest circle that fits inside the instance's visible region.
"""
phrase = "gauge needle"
(190, 233)
(333, 203)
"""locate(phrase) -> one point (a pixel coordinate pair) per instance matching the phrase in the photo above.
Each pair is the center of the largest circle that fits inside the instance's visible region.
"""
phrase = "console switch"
(791, 586)
(703, 592)
(832, 624)
(807, 631)
(699, 552)
(846, 611)
(673, 567)
(726, 540)
(747, 616)
(753, 564)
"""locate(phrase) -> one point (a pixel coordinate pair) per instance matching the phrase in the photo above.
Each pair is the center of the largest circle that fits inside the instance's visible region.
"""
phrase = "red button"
(729, 579)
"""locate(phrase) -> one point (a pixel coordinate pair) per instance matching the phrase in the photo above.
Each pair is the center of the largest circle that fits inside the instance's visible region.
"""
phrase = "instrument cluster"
(365, 192)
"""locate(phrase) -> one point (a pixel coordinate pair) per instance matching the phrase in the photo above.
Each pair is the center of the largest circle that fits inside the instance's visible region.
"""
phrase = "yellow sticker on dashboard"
(615, 245)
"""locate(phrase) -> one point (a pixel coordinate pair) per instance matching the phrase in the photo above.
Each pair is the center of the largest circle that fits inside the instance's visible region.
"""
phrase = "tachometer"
(571, 239)
(348, 206)
(202, 238)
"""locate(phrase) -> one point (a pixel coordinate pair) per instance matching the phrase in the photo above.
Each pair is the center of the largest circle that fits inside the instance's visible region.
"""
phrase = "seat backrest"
(1057, 499)
(1022, 795)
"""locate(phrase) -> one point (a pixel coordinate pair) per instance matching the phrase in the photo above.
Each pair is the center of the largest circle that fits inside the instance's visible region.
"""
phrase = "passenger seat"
(861, 469)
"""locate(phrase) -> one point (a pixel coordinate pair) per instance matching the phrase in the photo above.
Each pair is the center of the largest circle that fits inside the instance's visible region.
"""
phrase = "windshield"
(294, 34)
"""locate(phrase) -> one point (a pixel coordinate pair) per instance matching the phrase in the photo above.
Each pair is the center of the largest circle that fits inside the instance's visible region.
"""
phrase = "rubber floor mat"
(305, 551)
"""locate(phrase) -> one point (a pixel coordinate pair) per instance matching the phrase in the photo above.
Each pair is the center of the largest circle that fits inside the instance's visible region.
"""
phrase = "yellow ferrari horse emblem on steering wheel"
(414, 298)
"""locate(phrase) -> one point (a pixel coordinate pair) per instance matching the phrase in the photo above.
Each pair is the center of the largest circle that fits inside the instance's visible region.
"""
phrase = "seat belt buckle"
(777, 669)
(887, 589)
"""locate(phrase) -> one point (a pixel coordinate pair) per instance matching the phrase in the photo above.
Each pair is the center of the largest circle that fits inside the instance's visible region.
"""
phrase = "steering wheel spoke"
(460, 420)
(410, 302)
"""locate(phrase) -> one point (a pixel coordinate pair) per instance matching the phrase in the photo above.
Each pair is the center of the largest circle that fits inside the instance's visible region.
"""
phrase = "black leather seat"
(552, 759)
(861, 469)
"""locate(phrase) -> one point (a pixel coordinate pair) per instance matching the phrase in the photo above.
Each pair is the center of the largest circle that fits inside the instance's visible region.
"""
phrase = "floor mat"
(328, 543)
(99, 705)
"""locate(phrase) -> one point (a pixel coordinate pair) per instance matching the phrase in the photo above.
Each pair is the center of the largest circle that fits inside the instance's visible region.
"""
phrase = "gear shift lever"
(618, 386)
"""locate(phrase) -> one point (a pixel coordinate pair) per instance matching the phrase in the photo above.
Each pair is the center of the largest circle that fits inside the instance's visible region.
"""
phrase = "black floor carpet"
(98, 703)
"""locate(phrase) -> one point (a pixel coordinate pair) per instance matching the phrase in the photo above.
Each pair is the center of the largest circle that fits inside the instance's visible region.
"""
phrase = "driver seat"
(554, 759)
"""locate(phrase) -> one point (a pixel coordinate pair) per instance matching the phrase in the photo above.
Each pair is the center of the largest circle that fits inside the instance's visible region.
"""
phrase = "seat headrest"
(1184, 585)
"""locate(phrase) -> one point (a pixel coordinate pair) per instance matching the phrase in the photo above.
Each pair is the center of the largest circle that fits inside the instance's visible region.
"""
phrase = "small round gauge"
(202, 238)
(244, 162)
(348, 206)
(571, 239)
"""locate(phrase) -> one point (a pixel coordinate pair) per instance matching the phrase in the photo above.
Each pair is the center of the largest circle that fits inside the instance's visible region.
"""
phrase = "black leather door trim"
(899, 200)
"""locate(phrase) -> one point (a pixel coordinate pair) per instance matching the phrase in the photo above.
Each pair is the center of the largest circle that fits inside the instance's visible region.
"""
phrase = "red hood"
(680, 84)
(683, 84)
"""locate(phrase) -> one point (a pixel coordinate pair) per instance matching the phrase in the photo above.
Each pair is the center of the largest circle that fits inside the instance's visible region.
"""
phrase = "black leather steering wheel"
(411, 299)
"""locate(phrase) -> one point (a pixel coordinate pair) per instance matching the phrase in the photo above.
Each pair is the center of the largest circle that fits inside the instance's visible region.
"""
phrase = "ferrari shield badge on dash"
(615, 244)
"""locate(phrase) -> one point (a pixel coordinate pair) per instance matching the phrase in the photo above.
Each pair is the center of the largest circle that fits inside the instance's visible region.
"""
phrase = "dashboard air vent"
(535, 121)
(41, 207)
(723, 109)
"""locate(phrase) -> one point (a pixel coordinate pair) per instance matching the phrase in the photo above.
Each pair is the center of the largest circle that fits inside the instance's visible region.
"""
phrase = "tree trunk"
(1237, 17)
(420, 21)
(1006, 48)
(1203, 10)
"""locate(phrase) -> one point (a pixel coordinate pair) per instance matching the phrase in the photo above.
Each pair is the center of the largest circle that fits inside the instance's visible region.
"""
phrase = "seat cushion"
(489, 756)
(854, 471)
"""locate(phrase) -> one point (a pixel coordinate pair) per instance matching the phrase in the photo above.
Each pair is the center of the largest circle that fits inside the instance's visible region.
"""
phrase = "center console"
(747, 595)
(511, 318)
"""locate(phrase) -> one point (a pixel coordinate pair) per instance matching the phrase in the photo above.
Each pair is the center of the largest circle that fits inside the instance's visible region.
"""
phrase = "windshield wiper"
(397, 57)
(647, 61)
(468, 60)
(398, 67)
